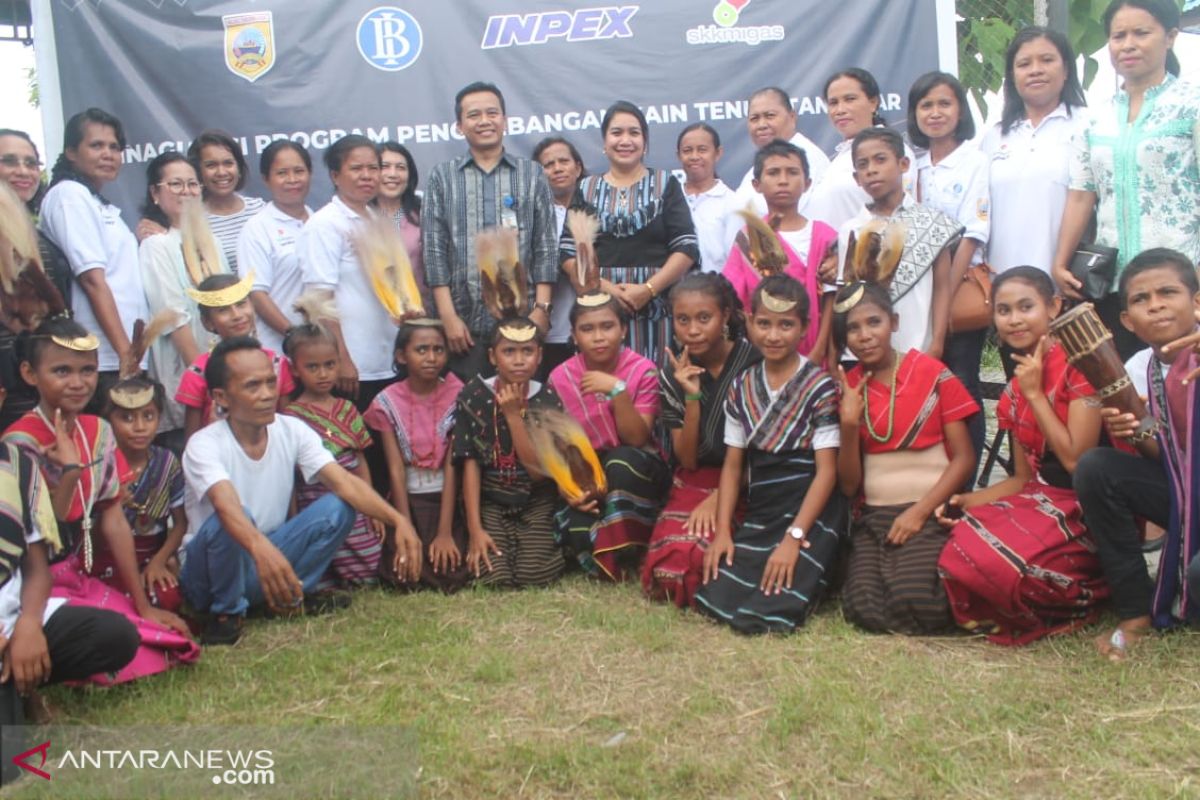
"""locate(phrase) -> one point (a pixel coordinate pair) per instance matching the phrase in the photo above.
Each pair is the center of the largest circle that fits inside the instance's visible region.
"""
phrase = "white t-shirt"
(92, 235)
(326, 256)
(267, 247)
(818, 163)
(10, 595)
(227, 228)
(717, 224)
(561, 300)
(263, 486)
(1138, 367)
(958, 187)
(837, 197)
(800, 241)
(1029, 179)
(824, 438)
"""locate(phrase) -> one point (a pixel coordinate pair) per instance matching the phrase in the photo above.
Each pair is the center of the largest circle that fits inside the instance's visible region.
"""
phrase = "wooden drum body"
(1090, 349)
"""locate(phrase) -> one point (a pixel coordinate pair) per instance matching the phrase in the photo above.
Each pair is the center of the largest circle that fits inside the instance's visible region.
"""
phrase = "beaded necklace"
(86, 501)
(891, 406)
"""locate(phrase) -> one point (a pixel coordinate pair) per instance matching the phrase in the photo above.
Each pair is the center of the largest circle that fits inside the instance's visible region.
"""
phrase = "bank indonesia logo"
(389, 38)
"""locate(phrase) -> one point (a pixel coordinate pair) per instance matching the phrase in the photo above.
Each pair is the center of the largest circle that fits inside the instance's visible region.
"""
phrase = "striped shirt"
(227, 228)
(460, 201)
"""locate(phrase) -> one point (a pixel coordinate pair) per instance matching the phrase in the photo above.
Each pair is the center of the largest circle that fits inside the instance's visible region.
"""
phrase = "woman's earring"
(725, 331)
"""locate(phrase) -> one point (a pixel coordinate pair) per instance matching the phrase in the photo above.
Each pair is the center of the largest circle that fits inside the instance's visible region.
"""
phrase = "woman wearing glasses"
(21, 169)
(170, 180)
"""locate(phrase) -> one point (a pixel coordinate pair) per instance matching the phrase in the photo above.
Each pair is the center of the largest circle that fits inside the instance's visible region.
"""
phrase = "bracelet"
(68, 467)
(690, 397)
(650, 286)
(1142, 436)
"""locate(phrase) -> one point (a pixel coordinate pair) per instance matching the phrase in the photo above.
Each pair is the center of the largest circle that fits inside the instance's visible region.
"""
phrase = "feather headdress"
(18, 242)
(874, 252)
(501, 275)
(760, 245)
(316, 307)
(384, 259)
(584, 227)
(200, 254)
(566, 454)
(26, 292)
(144, 335)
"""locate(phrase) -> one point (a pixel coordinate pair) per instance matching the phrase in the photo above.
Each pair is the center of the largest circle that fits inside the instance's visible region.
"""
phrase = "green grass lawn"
(586, 690)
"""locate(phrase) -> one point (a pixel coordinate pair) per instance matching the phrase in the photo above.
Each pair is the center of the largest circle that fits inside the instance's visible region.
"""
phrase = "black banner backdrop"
(315, 70)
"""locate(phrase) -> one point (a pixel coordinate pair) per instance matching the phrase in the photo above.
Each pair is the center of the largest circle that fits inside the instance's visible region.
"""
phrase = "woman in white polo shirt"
(267, 245)
(713, 204)
(1030, 149)
(325, 251)
(100, 248)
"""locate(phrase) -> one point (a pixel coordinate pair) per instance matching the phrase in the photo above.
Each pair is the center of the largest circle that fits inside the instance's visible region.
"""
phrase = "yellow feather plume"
(584, 227)
(874, 252)
(18, 241)
(760, 245)
(200, 253)
(566, 455)
(501, 275)
(384, 259)
(316, 306)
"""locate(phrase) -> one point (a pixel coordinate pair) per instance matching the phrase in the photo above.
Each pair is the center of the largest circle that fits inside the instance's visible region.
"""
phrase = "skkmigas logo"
(726, 14)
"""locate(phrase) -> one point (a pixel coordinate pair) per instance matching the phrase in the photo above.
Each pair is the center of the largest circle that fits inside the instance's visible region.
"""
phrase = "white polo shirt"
(837, 197)
(717, 224)
(818, 163)
(1029, 180)
(92, 235)
(327, 261)
(267, 247)
(958, 187)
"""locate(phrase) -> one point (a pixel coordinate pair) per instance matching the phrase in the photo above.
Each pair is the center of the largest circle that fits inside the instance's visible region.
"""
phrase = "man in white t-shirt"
(242, 549)
(769, 117)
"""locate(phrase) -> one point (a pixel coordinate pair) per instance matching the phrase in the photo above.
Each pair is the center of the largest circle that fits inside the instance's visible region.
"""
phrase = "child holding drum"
(1022, 565)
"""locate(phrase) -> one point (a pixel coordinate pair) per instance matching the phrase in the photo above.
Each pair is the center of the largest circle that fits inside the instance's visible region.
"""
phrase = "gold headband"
(519, 331)
(851, 300)
(777, 304)
(131, 399)
(593, 299)
(80, 344)
(219, 298)
(424, 322)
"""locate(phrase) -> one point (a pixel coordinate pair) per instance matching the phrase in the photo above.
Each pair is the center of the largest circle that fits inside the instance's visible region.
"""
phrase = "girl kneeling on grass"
(84, 471)
(414, 418)
(782, 426)
(1021, 565)
(905, 449)
(313, 352)
(613, 393)
(708, 322)
(225, 310)
(509, 503)
(153, 500)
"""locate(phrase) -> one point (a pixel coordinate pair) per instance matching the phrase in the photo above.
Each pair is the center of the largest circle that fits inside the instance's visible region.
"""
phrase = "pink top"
(745, 278)
(594, 411)
(193, 388)
(421, 423)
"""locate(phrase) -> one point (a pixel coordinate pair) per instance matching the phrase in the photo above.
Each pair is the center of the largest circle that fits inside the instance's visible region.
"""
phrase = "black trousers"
(475, 361)
(962, 355)
(1114, 487)
(82, 641)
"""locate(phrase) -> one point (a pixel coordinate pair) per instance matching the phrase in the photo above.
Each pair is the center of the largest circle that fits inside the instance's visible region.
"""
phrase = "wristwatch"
(796, 532)
(616, 390)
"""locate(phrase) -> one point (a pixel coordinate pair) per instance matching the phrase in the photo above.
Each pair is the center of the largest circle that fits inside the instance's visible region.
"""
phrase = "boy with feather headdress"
(900, 244)
(509, 503)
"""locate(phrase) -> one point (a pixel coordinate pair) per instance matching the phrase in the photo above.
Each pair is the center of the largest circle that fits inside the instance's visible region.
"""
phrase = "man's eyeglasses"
(182, 187)
(12, 162)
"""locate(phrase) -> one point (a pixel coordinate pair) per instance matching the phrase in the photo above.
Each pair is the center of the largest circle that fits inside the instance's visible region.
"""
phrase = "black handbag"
(1095, 267)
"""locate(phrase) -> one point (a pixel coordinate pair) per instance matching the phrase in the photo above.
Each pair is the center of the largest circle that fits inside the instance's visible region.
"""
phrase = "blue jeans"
(220, 577)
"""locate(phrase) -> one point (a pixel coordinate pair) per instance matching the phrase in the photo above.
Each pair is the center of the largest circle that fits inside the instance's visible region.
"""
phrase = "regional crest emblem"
(249, 44)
